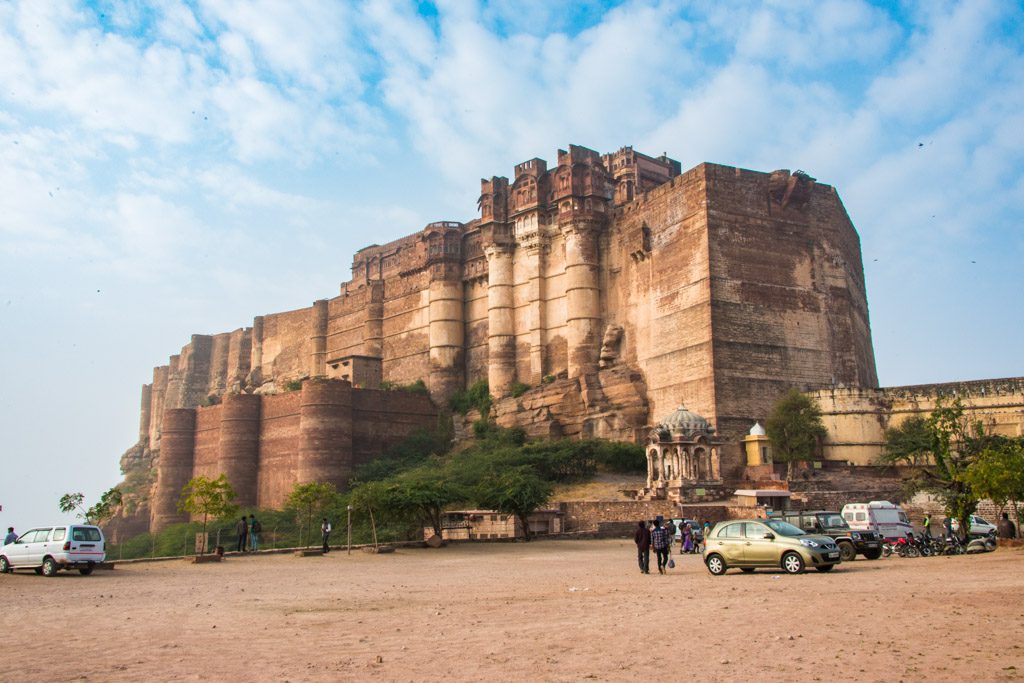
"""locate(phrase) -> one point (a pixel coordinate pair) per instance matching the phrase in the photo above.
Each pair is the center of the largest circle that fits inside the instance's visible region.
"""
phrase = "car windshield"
(784, 528)
(829, 521)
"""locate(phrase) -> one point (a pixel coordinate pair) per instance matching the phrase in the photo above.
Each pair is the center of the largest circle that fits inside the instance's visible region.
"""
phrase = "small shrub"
(293, 385)
(518, 389)
(548, 379)
(477, 396)
(417, 387)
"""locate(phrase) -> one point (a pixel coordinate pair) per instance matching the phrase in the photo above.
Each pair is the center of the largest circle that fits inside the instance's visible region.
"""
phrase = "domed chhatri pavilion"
(683, 458)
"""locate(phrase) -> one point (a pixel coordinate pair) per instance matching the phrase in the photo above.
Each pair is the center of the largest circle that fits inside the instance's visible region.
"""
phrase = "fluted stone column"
(325, 432)
(446, 335)
(174, 469)
(501, 341)
(536, 255)
(240, 445)
(583, 299)
(318, 337)
(256, 362)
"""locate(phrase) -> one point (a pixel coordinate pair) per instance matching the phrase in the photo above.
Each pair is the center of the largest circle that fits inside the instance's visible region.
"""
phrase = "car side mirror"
(769, 536)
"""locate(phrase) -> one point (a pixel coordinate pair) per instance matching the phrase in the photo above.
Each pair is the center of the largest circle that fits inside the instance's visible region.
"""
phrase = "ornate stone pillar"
(582, 291)
(501, 341)
(650, 467)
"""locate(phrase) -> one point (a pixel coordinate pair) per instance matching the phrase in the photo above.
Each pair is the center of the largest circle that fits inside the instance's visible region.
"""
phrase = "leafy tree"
(102, 511)
(309, 500)
(998, 474)
(70, 502)
(517, 491)
(426, 492)
(795, 429)
(209, 498)
(954, 443)
(105, 508)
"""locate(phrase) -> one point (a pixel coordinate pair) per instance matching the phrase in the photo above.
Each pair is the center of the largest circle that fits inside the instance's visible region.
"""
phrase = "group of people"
(248, 531)
(658, 536)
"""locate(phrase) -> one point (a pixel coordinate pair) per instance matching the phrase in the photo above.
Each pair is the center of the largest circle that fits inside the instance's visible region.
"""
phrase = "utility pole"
(349, 529)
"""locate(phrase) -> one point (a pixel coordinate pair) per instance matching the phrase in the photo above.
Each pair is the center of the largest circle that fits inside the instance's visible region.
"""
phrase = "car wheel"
(873, 554)
(826, 567)
(716, 564)
(847, 553)
(792, 563)
(746, 570)
(5, 565)
(50, 567)
(85, 571)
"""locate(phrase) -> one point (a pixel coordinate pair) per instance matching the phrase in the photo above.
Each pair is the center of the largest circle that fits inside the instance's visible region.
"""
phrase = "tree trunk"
(1016, 514)
(526, 526)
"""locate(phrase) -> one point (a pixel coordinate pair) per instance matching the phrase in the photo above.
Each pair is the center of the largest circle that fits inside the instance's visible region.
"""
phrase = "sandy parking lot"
(546, 610)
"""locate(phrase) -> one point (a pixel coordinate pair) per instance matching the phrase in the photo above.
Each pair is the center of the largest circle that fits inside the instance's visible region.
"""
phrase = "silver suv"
(49, 549)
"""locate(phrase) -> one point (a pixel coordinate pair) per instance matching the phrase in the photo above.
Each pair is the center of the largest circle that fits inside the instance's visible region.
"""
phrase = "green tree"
(70, 502)
(102, 511)
(211, 498)
(426, 492)
(954, 443)
(795, 429)
(998, 474)
(309, 500)
(517, 491)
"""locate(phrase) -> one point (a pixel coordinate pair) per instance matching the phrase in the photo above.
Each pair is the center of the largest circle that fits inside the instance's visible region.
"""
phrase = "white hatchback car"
(49, 549)
(979, 527)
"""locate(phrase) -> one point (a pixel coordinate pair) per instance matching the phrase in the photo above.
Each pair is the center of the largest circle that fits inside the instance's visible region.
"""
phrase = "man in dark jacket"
(242, 529)
(642, 538)
(1007, 529)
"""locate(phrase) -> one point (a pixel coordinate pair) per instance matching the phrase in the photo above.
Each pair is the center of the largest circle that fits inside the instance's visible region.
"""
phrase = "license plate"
(833, 556)
(871, 545)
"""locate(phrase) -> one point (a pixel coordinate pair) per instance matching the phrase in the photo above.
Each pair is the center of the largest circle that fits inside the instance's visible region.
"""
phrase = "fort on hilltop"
(614, 286)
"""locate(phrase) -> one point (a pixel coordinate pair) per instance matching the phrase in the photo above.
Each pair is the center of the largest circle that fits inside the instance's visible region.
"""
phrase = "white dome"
(757, 430)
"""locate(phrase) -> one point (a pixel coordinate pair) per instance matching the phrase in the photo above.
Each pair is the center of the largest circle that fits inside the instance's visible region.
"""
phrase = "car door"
(34, 548)
(17, 552)
(759, 550)
(729, 542)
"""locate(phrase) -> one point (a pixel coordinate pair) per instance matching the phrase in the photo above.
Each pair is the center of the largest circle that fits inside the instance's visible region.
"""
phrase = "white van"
(884, 518)
(49, 549)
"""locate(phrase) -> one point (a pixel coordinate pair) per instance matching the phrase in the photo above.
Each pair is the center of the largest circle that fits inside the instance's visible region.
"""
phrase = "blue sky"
(172, 167)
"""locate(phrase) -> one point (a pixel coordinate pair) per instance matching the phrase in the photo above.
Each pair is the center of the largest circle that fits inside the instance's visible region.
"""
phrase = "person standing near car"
(1007, 529)
(687, 538)
(948, 523)
(927, 526)
(325, 529)
(670, 529)
(659, 541)
(242, 529)
(642, 538)
(11, 537)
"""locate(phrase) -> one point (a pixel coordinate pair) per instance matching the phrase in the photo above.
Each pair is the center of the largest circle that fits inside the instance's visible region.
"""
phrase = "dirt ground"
(542, 611)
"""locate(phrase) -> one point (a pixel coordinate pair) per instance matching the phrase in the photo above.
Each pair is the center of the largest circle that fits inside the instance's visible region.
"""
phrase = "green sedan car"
(751, 543)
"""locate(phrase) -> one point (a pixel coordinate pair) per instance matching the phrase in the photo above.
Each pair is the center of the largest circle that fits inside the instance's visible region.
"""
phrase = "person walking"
(948, 523)
(927, 526)
(11, 537)
(325, 529)
(642, 538)
(242, 529)
(659, 541)
(687, 538)
(254, 533)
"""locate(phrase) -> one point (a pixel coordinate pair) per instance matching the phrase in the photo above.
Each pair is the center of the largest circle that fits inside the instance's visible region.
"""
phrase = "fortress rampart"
(265, 444)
